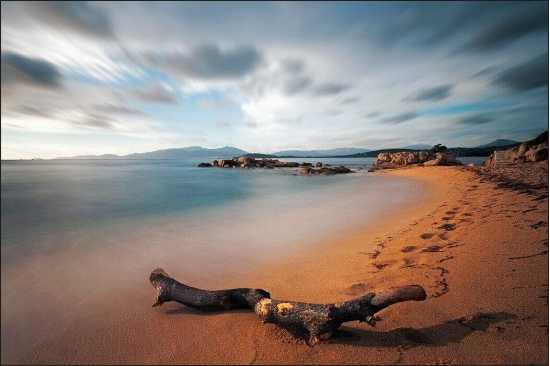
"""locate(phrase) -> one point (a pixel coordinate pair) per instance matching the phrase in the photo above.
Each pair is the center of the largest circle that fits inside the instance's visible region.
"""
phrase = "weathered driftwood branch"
(309, 321)
(318, 321)
(168, 289)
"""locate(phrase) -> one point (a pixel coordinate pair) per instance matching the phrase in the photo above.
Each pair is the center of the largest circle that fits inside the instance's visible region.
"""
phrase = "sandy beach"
(479, 250)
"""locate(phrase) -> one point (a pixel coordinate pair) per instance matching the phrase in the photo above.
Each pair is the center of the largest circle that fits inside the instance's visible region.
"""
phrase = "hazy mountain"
(500, 142)
(178, 153)
(317, 153)
(417, 147)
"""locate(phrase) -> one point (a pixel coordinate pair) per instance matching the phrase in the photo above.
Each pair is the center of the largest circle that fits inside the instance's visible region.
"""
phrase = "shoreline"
(467, 268)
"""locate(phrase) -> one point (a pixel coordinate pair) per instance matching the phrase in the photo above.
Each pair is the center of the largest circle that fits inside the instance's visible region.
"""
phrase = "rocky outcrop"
(250, 162)
(438, 155)
(529, 151)
(324, 170)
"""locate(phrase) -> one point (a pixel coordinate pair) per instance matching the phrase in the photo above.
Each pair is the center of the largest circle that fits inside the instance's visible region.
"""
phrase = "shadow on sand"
(452, 331)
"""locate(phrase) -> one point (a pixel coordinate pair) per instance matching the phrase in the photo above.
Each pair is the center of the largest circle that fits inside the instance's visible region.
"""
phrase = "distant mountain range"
(417, 147)
(499, 142)
(320, 153)
(196, 152)
(180, 153)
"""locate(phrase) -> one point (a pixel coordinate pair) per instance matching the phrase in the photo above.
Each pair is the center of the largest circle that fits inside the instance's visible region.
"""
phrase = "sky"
(123, 77)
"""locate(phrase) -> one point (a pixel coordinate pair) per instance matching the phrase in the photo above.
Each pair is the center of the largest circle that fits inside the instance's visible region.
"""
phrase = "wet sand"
(480, 251)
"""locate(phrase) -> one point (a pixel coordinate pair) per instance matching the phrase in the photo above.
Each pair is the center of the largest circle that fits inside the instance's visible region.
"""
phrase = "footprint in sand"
(426, 236)
(447, 218)
(432, 248)
(538, 224)
(357, 288)
(381, 265)
(443, 236)
(408, 262)
(450, 213)
(448, 227)
(408, 249)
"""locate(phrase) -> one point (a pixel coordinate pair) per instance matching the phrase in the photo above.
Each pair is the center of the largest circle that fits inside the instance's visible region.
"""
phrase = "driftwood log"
(168, 289)
(311, 322)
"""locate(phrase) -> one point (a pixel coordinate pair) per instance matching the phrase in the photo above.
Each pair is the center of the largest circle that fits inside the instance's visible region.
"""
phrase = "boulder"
(223, 163)
(204, 165)
(537, 154)
(246, 160)
(306, 164)
(305, 170)
(438, 155)
(318, 164)
(529, 151)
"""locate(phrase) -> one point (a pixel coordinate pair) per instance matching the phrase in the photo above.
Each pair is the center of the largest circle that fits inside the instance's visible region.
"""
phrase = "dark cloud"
(489, 70)
(330, 89)
(297, 84)
(529, 75)
(478, 119)
(350, 100)
(294, 66)
(431, 94)
(400, 118)
(511, 27)
(428, 24)
(156, 93)
(17, 68)
(74, 16)
(210, 62)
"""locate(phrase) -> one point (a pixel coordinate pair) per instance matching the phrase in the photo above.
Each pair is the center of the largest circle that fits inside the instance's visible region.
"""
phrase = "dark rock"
(204, 165)
(529, 151)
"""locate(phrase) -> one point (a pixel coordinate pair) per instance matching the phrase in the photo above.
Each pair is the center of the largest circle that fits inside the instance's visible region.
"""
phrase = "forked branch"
(309, 321)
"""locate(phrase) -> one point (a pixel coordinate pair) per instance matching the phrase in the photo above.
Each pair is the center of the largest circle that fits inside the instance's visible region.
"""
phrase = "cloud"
(18, 69)
(32, 111)
(372, 114)
(330, 89)
(526, 76)
(210, 62)
(510, 28)
(334, 112)
(296, 85)
(476, 119)
(117, 109)
(350, 100)
(431, 94)
(73, 16)
(294, 66)
(156, 93)
(95, 121)
(400, 118)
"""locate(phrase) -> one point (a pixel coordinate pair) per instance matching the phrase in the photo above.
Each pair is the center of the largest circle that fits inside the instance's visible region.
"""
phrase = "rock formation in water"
(438, 155)
(529, 151)
(304, 168)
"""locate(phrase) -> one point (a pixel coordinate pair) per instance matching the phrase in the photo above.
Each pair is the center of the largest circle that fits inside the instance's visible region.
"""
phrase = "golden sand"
(481, 253)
